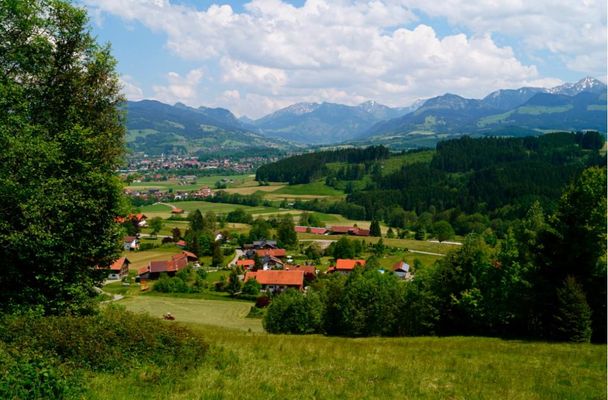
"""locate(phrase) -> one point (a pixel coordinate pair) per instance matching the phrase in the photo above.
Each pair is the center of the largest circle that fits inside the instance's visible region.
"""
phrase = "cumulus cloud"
(182, 89)
(130, 88)
(274, 54)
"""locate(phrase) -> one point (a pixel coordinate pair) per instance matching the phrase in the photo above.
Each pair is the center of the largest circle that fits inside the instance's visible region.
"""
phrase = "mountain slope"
(324, 123)
(154, 128)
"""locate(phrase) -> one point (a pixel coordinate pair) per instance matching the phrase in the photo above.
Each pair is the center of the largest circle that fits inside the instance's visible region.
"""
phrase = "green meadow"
(246, 363)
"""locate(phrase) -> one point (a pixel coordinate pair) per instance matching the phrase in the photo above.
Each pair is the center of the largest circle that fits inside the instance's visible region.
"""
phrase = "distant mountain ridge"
(525, 111)
(154, 128)
(324, 123)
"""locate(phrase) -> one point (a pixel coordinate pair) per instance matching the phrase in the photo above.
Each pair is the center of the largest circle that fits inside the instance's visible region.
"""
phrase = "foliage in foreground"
(45, 357)
(61, 136)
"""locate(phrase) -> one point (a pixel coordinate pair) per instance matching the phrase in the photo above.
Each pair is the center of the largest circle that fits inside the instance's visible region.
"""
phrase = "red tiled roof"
(177, 211)
(129, 239)
(400, 266)
(301, 229)
(271, 252)
(180, 261)
(318, 231)
(341, 229)
(277, 277)
(347, 265)
(189, 254)
(117, 265)
(161, 266)
(307, 269)
(311, 229)
(142, 270)
(245, 263)
(181, 243)
(360, 232)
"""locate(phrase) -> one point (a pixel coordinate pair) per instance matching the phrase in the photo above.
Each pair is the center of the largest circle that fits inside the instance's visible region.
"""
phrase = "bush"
(573, 316)
(262, 301)
(251, 287)
(111, 341)
(294, 312)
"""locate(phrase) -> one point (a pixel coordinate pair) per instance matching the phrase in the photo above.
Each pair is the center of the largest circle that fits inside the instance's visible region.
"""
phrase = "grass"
(202, 181)
(229, 314)
(255, 365)
(315, 189)
(395, 163)
(142, 258)
(164, 211)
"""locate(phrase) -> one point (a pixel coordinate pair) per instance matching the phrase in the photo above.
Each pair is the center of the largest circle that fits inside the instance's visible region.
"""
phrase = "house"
(118, 269)
(181, 243)
(348, 230)
(140, 218)
(311, 229)
(275, 281)
(246, 264)
(191, 256)
(265, 244)
(402, 270)
(278, 253)
(176, 210)
(270, 262)
(130, 243)
(310, 271)
(170, 267)
(346, 265)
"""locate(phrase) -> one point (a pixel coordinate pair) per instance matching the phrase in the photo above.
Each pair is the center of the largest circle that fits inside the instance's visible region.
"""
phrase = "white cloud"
(182, 89)
(275, 54)
(130, 89)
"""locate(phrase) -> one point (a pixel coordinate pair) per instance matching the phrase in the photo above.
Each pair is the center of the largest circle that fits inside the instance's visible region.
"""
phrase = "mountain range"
(154, 127)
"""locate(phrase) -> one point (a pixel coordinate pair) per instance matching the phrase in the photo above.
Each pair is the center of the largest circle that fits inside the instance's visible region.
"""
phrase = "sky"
(254, 57)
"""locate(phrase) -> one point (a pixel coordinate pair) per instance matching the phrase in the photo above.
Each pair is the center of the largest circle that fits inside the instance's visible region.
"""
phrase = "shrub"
(573, 316)
(294, 312)
(251, 287)
(262, 301)
(109, 341)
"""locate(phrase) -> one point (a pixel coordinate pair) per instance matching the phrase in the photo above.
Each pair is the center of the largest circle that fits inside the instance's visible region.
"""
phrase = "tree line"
(304, 168)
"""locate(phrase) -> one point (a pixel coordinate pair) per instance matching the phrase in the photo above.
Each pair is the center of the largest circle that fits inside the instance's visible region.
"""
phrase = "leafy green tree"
(443, 231)
(156, 224)
(314, 252)
(374, 228)
(177, 234)
(572, 320)
(260, 229)
(234, 284)
(197, 224)
(61, 135)
(343, 248)
(379, 248)
(217, 257)
(390, 234)
(251, 287)
(286, 233)
(294, 312)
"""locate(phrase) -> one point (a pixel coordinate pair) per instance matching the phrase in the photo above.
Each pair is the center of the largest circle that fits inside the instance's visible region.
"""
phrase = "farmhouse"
(402, 270)
(170, 267)
(310, 271)
(246, 264)
(130, 243)
(311, 229)
(348, 230)
(276, 281)
(346, 265)
(279, 253)
(118, 269)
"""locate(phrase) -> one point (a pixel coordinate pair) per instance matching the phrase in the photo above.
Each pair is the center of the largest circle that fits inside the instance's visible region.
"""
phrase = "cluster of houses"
(160, 195)
(142, 163)
(276, 271)
(333, 230)
(169, 267)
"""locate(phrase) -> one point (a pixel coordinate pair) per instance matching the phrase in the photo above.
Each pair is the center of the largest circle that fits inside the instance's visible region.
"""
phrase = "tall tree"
(61, 135)
(374, 228)
(286, 231)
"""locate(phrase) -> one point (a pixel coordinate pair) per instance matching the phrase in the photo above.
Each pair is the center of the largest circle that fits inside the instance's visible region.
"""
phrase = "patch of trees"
(485, 175)
(545, 279)
(305, 168)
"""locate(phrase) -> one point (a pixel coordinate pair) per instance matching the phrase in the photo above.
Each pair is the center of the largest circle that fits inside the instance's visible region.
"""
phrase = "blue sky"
(254, 57)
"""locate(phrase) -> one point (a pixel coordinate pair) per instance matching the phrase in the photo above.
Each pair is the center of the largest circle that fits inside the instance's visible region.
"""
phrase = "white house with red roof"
(277, 280)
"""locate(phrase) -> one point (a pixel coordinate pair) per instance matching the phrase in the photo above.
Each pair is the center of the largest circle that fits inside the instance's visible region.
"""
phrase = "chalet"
(170, 267)
(348, 230)
(130, 243)
(264, 244)
(191, 256)
(278, 253)
(140, 218)
(270, 262)
(346, 265)
(118, 269)
(276, 281)
(310, 271)
(311, 229)
(246, 264)
(402, 270)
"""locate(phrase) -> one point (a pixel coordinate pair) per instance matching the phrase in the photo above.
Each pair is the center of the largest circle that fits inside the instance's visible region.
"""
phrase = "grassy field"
(316, 189)
(394, 163)
(245, 363)
(234, 180)
(142, 258)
